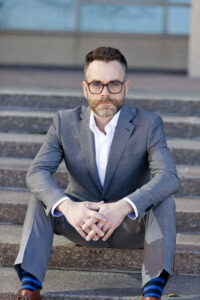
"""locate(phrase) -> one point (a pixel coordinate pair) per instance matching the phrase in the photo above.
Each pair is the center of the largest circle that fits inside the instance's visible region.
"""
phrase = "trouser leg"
(37, 239)
(157, 229)
(160, 240)
(36, 242)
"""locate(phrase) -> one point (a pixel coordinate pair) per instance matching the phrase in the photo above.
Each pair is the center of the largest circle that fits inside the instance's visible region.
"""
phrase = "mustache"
(106, 100)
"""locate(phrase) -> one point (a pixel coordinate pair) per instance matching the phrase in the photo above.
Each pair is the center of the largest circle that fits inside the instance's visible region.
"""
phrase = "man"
(121, 176)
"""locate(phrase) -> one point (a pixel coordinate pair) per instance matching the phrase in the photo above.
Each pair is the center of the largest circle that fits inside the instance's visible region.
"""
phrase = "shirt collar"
(110, 126)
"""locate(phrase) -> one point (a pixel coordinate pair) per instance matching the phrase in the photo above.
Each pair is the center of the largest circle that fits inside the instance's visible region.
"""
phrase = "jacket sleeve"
(39, 176)
(164, 180)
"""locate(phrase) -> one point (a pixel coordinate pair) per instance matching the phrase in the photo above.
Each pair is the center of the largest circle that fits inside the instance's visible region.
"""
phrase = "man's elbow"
(175, 183)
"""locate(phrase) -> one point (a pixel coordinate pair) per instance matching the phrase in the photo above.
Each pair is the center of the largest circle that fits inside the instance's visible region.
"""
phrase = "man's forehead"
(100, 70)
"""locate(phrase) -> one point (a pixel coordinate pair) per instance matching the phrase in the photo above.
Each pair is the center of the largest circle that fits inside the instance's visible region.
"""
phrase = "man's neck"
(101, 122)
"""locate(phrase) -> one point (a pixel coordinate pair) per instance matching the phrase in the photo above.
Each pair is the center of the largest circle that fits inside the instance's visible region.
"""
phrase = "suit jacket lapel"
(121, 137)
(86, 139)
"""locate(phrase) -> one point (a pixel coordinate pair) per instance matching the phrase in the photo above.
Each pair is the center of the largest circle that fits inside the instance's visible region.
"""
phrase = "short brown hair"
(106, 54)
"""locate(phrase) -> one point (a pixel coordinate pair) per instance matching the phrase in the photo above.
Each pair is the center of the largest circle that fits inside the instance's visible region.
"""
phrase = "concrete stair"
(112, 285)
(26, 145)
(13, 205)
(37, 121)
(96, 273)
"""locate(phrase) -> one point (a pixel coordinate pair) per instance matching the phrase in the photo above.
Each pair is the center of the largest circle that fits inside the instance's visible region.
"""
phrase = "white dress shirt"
(102, 151)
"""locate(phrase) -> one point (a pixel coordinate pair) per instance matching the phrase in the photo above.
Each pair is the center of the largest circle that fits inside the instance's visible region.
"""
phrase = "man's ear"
(84, 86)
(127, 85)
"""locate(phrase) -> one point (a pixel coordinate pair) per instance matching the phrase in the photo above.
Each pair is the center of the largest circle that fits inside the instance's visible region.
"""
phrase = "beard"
(106, 107)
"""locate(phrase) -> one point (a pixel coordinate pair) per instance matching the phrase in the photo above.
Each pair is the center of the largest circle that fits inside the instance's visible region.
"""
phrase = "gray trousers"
(156, 233)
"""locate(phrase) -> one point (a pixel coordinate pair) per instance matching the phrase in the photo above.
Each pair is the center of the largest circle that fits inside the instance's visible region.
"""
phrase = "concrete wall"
(194, 41)
(69, 49)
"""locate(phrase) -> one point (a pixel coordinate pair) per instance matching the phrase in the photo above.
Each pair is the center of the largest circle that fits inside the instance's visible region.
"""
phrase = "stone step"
(13, 172)
(13, 205)
(94, 285)
(65, 254)
(166, 104)
(33, 121)
(184, 151)
(181, 126)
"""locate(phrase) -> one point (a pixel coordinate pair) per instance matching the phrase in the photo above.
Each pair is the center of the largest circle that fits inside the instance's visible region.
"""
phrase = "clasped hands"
(94, 220)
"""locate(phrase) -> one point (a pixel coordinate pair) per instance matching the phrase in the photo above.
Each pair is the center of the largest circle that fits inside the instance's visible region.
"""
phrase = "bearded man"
(120, 180)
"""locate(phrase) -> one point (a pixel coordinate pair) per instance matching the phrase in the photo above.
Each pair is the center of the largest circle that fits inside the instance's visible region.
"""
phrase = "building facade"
(153, 34)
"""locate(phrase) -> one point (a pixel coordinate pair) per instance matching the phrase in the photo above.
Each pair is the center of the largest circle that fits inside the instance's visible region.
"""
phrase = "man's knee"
(168, 205)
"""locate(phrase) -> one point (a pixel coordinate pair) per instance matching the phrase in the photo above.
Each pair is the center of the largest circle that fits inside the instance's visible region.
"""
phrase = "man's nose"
(105, 90)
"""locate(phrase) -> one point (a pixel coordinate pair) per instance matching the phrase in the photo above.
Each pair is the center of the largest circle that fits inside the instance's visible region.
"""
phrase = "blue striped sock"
(29, 282)
(154, 288)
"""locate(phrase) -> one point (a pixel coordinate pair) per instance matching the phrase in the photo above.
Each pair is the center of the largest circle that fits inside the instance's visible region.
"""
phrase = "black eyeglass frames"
(114, 87)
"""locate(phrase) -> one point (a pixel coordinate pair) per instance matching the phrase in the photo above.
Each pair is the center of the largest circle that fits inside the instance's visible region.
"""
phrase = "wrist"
(65, 205)
(126, 207)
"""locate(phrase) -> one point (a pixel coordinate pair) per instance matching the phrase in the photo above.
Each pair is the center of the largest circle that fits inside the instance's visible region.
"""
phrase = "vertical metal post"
(165, 16)
(78, 16)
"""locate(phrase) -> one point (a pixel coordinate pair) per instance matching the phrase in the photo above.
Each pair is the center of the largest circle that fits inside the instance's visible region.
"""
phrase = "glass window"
(180, 1)
(38, 14)
(61, 15)
(178, 20)
(121, 18)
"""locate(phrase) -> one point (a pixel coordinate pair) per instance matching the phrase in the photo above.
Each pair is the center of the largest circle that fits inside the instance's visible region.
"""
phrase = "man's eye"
(96, 84)
(114, 83)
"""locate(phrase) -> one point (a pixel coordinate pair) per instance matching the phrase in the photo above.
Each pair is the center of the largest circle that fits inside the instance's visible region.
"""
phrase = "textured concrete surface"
(69, 284)
(183, 106)
(184, 151)
(38, 122)
(65, 254)
(13, 172)
(181, 126)
(13, 205)
(66, 79)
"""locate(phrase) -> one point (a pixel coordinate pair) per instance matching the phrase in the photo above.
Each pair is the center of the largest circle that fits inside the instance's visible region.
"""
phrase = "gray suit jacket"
(140, 165)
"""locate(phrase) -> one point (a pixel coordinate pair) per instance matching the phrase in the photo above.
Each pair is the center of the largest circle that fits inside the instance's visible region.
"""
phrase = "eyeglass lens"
(114, 87)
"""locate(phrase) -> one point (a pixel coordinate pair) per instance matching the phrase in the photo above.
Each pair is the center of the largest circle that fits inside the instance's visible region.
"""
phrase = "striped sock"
(154, 288)
(29, 282)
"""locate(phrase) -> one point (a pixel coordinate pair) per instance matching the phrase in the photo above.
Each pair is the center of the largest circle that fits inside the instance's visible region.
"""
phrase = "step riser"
(15, 214)
(178, 130)
(12, 213)
(18, 149)
(16, 178)
(41, 125)
(86, 258)
(187, 264)
(29, 150)
(24, 124)
(186, 156)
(54, 102)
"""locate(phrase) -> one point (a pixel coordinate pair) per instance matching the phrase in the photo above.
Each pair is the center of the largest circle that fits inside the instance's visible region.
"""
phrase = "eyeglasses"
(114, 87)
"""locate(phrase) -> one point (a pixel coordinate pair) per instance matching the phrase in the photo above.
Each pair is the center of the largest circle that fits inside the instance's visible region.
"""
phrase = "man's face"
(105, 104)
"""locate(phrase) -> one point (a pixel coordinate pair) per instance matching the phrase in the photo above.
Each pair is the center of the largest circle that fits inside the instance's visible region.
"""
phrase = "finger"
(94, 205)
(108, 234)
(89, 223)
(100, 224)
(98, 231)
(97, 215)
(91, 235)
(81, 232)
(87, 230)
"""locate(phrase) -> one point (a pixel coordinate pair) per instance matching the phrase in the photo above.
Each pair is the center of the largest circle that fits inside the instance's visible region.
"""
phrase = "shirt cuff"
(133, 215)
(54, 211)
